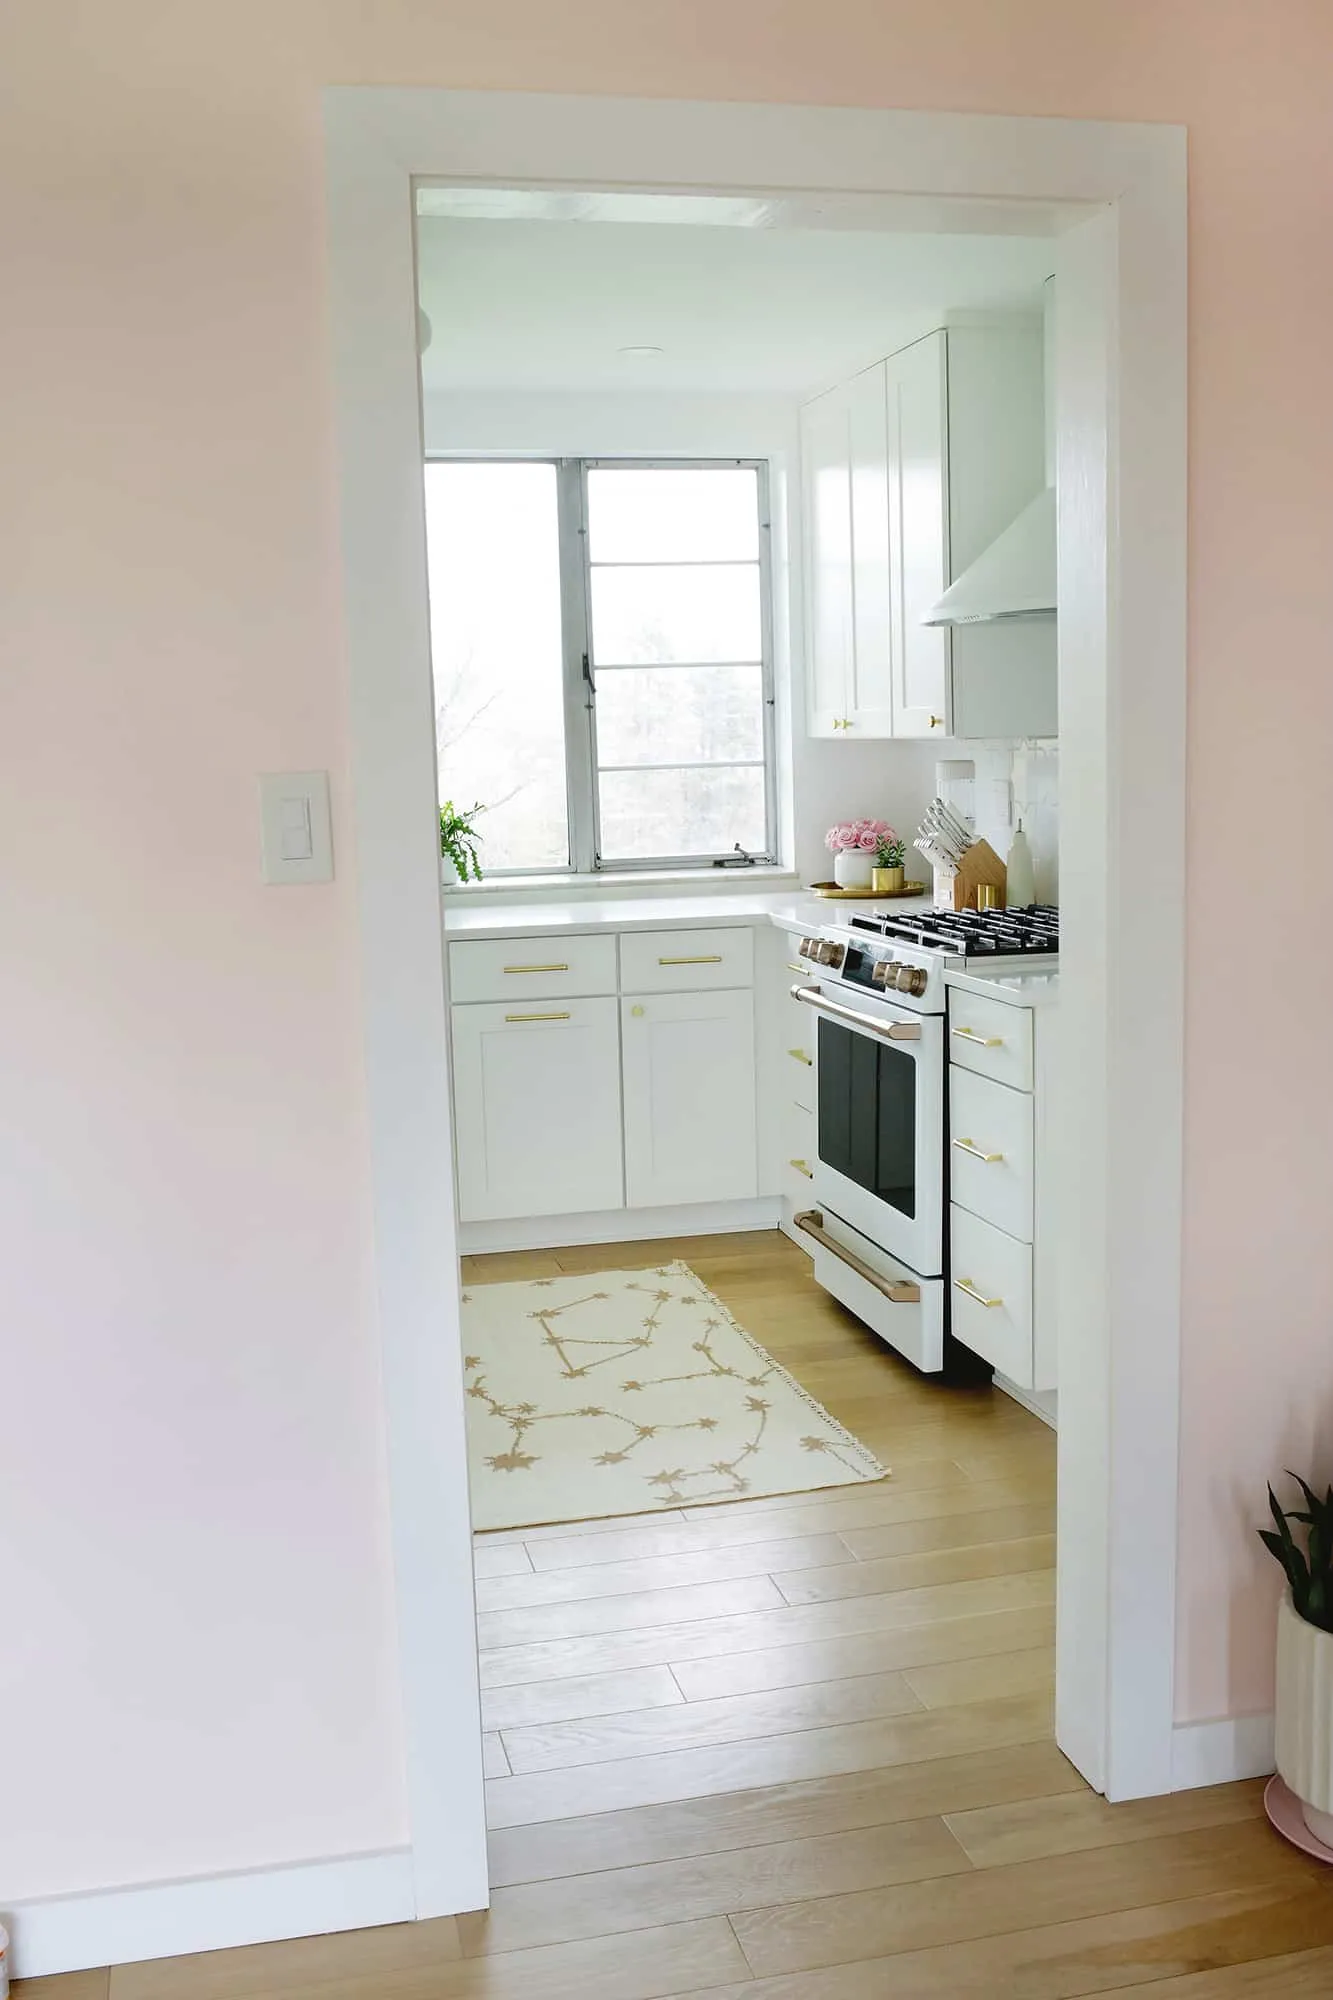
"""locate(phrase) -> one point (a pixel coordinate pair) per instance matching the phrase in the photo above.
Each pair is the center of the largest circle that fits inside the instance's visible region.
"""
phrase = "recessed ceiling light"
(642, 353)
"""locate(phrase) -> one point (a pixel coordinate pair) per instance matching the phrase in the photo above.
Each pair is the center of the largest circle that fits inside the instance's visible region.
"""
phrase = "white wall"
(822, 779)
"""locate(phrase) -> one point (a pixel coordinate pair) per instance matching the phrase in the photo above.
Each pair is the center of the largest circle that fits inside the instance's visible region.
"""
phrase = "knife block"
(980, 865)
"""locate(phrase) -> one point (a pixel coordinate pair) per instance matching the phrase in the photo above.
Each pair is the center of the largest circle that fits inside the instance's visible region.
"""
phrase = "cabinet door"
(870, 708)
(918, 449)
(689, 1067)
(537, 1109)
(826, 471)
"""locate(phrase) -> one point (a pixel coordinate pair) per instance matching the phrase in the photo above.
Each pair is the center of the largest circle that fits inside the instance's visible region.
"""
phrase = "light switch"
(296, 828)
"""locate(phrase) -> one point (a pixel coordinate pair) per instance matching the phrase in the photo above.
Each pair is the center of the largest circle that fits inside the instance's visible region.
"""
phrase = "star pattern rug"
(627, 1392)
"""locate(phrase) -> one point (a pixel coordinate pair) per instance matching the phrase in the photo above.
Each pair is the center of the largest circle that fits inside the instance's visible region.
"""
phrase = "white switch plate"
(295, 825)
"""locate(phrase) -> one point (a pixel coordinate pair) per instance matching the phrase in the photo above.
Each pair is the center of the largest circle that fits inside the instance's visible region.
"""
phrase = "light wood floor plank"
(665, 1644)
(804, 1810)
(803, 1936)
(962, 1639)
(382, 1962)
(608, 1524)
(955, 1681)
(832, 1513)
(494, 1761)
(1021, 1830)
(614, 1579)
(700, 1725)
(1148, 1952)
(959, 1529)
(734, 1767)
(571, 1700)
(622, 1614)
(893, 1573)
(628, 1899)
(500, 1559)
(65, 1986)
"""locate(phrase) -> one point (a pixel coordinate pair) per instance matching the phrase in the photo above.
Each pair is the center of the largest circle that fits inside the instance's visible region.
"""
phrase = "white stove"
(881, 1077)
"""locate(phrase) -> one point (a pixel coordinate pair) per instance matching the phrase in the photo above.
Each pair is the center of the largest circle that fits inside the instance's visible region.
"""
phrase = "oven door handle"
(889, 1031)
(811, 1222)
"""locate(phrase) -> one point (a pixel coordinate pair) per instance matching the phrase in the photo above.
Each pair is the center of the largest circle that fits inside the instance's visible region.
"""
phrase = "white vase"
(1304, 1739)
(852, 868)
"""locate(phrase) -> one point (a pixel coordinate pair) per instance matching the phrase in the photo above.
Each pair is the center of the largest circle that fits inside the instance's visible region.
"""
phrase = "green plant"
(459, 840)
(1309, 1571)
(892, 850)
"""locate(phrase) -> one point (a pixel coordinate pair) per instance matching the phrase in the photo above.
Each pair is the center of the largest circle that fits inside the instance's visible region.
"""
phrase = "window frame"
(579, 668)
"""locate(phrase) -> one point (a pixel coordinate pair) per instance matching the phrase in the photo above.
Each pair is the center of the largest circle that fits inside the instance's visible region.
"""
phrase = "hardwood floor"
(800, 1748)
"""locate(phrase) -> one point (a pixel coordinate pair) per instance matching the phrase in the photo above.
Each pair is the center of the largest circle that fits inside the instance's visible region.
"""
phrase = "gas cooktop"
(970, 934)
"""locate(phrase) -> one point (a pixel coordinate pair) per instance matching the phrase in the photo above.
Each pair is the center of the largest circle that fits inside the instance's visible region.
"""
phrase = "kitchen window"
(601, 643)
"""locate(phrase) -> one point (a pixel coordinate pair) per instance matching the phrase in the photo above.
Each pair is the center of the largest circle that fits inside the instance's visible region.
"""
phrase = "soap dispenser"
(1020, 883)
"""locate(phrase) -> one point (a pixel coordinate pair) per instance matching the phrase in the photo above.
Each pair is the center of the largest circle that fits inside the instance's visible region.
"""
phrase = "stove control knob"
(912, 979)
(807, 947)
(831, 954)
(883, 973)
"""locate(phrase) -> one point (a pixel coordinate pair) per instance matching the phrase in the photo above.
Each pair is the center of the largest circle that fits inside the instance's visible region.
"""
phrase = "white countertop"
(791, 909)
(1016, 989)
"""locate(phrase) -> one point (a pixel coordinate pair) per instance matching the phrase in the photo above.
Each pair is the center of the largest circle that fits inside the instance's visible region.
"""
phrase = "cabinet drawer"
(990, 1151)
(685, 961)
(914, 1329)
(991, 1038)
(524, 969)
(991, 1294)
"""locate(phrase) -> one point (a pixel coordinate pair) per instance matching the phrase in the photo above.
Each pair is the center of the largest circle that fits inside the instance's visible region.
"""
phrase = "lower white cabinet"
(689, 1074)
(537, 1108)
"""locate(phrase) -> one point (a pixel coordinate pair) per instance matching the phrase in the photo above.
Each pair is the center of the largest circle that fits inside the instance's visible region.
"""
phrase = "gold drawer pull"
(799, 1055)
(537, 1017)
(536, 968)
(970, 1146)
(701, 958)
(804, 970)
(982, 1041)
(966, 1285)
(801, 1168)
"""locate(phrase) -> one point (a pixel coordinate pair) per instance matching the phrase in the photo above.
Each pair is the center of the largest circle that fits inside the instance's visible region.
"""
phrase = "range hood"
(1013, 578)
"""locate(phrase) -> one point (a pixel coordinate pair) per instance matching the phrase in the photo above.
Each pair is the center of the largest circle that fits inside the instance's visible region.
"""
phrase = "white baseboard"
(1218, 1753)
(1041, 1402)
(210, 1913)
(618, 1225)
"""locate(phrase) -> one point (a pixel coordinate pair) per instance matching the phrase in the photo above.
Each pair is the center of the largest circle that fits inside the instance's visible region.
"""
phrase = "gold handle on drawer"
(799, 1055)
(536, 968)
(537, 1017)
(937, 722)
(804, 970)
(801, 1168)
(700, 958)
(970, 1147)
(966, 1285)
(982, 1041)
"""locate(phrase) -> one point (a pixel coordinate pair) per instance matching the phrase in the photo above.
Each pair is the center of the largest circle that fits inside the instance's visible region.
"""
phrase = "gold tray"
(831, 890)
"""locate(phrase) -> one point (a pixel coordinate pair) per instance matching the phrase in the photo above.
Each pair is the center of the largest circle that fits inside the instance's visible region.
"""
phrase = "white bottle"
(1020, 883)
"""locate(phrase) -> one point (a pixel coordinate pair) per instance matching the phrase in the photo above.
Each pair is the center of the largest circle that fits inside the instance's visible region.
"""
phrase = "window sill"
(638, 881)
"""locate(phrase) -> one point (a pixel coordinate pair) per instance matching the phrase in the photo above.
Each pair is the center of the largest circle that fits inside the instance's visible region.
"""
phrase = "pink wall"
(198, 1633)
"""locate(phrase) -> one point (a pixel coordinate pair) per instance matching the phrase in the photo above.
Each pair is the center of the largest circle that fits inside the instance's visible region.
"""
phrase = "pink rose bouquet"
(863, 835)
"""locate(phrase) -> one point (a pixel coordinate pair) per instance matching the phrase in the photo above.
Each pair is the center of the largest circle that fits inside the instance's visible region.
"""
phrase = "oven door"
(880, 1123)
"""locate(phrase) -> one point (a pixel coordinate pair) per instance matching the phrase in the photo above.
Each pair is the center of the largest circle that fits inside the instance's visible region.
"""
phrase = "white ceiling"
(536, 305)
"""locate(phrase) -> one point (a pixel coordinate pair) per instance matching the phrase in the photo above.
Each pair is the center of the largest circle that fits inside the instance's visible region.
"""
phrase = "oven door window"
(867, 1113)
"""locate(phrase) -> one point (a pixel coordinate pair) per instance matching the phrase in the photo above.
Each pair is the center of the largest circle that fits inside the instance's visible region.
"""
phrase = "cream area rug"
(622, 1392)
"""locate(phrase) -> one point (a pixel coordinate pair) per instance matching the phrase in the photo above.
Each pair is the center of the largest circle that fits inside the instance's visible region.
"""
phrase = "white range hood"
(1013, 578)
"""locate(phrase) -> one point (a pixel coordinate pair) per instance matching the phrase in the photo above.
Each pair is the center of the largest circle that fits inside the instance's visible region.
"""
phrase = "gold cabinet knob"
(937, 722)
(637, 1012)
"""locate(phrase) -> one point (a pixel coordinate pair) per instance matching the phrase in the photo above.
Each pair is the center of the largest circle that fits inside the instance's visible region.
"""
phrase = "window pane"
(493, 551)
(680, 715)
(673, 514)
(682, 612)
(651, 814)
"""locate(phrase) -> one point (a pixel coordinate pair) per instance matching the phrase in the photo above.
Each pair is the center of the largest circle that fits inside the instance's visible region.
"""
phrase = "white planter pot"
(1304, 1742)
(852, 869)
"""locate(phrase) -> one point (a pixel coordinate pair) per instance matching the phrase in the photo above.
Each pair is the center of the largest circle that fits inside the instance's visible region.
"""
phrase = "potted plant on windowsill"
(1304, 1718)
(459, 840)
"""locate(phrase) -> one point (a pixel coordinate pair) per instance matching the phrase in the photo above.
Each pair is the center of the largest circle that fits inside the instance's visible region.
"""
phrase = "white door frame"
(1121, 414)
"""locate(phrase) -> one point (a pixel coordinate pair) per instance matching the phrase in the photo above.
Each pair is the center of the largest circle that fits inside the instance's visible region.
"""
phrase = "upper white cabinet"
(910, 471)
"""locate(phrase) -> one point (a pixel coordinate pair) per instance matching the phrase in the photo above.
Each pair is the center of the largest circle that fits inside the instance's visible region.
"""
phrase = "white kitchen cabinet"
(537, 1108)
(689, 1097)
(910, 471)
